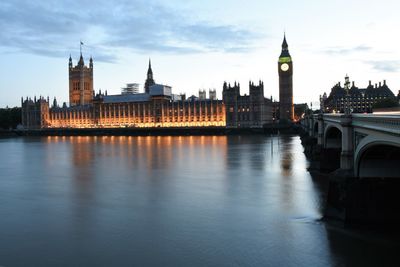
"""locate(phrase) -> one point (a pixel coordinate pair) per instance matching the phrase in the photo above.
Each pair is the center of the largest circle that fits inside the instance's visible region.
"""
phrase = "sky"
(197, 44)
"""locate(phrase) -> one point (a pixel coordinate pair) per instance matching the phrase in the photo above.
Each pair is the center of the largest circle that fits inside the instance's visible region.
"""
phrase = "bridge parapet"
(383, 123)
(357, 131)
(335, 118)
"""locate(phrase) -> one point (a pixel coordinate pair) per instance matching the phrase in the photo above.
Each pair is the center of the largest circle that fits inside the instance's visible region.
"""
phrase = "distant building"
(251, 110)
(35, 113)
(156, 107)
(360, 99)
(130, 88)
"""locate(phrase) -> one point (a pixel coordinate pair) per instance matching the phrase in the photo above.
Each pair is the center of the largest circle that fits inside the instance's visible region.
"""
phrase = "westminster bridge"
(361, 155)
(369, 144)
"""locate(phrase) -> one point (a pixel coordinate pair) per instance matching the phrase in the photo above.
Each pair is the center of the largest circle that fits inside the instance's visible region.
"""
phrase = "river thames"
(171, 201)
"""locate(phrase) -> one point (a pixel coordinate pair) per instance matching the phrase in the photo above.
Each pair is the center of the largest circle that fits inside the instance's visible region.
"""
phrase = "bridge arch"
(377, 159)
(333, 136)
(332, 148)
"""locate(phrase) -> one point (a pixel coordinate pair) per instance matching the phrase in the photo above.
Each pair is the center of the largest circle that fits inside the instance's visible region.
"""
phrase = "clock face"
(284, 67)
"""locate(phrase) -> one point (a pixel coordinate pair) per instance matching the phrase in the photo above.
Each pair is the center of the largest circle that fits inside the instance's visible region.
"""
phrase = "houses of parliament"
(157, 106)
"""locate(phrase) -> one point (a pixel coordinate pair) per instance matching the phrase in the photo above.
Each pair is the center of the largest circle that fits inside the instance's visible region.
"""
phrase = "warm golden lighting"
(140, 115)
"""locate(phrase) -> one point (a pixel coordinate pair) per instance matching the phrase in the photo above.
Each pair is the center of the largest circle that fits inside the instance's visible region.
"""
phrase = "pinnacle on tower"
(284, 43)
(149, 81)
(285, 47)
(149, 71)
(81, 62)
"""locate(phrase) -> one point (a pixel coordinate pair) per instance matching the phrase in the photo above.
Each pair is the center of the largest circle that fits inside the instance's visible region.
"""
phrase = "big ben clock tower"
(285, 69)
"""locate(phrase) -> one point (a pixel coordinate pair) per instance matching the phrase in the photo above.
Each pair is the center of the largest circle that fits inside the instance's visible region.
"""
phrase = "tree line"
(10, 118)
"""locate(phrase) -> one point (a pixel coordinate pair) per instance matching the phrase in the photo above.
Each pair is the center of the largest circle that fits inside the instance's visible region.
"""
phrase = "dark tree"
(10, 117)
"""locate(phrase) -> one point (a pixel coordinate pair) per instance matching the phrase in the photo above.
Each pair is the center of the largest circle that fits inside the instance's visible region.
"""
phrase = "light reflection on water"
(165, 201)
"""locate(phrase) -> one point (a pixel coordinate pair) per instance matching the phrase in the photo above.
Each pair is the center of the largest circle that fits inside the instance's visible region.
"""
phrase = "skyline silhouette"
(196, 46)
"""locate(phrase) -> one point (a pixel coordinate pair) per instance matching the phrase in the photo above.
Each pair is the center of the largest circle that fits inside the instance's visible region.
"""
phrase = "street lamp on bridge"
(347, 109)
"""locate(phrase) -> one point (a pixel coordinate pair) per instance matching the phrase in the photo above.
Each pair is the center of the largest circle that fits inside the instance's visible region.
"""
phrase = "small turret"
(70, 62)
(81, 62)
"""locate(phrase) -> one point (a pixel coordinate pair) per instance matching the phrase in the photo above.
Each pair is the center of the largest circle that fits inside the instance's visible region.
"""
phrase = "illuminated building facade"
(80, 82)
(156, 107)
(360, 99)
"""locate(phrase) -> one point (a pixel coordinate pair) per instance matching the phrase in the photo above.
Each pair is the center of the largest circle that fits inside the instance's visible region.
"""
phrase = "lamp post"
(321, 104)
(347, 110)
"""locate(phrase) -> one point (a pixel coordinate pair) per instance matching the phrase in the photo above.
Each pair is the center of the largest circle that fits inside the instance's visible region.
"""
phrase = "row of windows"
(78, 115)
(139, 110)
(231, 109)
(76, 86)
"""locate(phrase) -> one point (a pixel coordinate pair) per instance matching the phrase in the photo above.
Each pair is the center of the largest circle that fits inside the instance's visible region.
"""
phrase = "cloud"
(385, 65)
(347, 51)
(54, 28)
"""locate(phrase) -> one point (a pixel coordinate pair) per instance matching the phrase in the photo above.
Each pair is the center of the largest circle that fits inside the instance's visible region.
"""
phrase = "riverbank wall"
(184, 131)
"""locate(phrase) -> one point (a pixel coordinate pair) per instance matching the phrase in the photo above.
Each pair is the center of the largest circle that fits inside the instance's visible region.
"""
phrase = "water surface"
(170, 201)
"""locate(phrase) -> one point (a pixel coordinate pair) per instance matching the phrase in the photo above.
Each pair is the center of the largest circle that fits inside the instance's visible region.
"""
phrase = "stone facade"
(154, 111)
(80, 83)
(248, 111)
(35, 113)
(156, 107)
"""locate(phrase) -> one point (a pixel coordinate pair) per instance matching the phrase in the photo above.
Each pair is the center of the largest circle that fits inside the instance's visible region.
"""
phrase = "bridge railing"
(385, 123)
(333, 117)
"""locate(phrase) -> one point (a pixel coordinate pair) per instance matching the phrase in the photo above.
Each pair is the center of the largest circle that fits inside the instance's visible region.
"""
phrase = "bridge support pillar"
(346, 156)
(310, 126)
(320, 130)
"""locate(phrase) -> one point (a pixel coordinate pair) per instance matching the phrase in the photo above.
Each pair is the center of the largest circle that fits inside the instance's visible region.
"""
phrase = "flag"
(81, 43)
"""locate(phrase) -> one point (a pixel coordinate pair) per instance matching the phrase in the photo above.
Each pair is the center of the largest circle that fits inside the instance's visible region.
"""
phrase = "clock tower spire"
(285, 71)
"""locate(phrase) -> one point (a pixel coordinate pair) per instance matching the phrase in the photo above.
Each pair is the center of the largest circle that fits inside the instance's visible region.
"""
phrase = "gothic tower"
(80, 82)
(285, 70)
(149, 81)
(230, 97)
